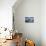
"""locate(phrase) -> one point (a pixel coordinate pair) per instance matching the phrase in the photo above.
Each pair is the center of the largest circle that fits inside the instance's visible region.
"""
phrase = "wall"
(43, 22)
(6, 18)
(6, 13)
(29, 30)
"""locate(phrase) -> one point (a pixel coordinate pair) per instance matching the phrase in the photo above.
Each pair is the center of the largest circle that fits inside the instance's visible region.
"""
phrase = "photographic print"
(29, 19)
